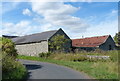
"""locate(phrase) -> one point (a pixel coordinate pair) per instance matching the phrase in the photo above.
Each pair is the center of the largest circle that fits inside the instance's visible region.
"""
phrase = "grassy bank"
(96, 69)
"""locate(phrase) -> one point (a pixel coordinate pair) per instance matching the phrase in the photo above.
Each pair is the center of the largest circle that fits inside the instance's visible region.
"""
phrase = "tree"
(117, 38)
(57, 43)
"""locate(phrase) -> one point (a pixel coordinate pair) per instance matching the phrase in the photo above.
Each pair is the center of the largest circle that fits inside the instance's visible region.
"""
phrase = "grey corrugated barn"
(34, 44)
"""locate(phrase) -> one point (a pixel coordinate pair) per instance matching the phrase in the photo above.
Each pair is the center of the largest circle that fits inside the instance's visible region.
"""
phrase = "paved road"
(42, 70)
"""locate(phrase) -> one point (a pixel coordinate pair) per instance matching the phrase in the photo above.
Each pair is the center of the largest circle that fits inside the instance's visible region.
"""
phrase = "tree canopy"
(117, 38)
(57, 43)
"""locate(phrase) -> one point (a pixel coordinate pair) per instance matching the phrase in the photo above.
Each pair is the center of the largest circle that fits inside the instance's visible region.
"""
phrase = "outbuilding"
(91, 43)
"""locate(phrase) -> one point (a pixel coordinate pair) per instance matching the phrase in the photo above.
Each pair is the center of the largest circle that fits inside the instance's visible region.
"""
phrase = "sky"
(77, 19)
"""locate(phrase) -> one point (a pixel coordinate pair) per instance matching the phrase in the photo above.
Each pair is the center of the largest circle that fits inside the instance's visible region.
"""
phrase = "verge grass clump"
(45, 55)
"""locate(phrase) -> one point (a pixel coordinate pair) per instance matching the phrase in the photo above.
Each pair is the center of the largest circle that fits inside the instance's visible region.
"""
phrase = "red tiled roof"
(89, 42)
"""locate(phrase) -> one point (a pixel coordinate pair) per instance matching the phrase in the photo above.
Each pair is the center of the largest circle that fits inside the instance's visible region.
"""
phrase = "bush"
(44, 55)
(8, 47)
(80, 58)
(11, 69)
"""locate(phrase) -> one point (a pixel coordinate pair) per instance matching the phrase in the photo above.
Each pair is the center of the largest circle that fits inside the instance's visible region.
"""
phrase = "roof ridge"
(41, 32)
(90, 41)
(34, 37)
(90, 37)
(38, 33)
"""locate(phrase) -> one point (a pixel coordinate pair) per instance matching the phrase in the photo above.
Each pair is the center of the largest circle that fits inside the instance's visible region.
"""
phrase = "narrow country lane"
(43, 70)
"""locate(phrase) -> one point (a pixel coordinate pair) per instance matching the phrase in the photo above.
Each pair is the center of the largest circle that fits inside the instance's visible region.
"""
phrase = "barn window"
(110, 47)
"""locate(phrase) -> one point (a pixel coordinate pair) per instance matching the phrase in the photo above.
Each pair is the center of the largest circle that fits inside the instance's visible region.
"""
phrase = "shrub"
(80, 58)
(8, 47)
(12, 69)
(44, 55)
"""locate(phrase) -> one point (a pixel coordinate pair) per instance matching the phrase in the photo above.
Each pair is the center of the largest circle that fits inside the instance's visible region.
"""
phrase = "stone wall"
(32, 49)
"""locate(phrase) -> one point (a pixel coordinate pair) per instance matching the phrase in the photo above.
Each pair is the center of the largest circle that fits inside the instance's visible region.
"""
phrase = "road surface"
(43, 70)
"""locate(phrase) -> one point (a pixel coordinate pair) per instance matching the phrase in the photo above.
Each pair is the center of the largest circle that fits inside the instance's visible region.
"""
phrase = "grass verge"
(97, 70)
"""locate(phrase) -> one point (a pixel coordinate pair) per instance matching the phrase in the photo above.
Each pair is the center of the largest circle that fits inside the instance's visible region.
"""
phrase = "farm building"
(102, 42)
(34, 44)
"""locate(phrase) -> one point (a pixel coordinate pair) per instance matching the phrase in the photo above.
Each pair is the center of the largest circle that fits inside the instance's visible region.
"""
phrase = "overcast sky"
(77, 19)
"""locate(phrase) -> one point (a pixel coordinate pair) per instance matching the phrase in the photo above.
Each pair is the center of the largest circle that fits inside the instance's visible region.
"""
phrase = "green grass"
(98, 70)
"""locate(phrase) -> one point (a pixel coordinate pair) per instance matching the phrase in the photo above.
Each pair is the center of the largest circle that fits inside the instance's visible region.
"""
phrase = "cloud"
(60, 15)
(114, 11)
(53, 15)
(54, 8)
(8, 6)
(26, 12)
(103, 28)
(108, 25)
(46, 27)
(60, 0)
(21, 28)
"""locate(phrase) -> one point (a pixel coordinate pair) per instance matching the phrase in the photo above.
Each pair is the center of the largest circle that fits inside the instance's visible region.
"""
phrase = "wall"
(32, 49)
(109, 41)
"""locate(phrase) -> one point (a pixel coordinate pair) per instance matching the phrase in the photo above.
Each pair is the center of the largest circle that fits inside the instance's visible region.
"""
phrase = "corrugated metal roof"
(34, 37)
(89, 42)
